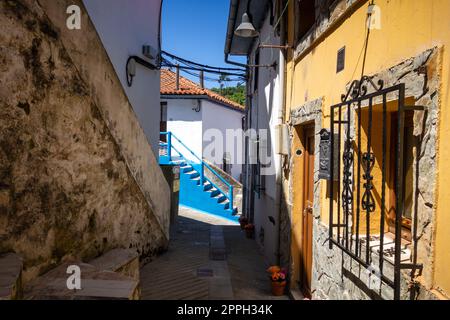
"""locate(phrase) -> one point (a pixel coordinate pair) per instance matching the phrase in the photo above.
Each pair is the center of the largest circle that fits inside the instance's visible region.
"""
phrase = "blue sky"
(196, 30)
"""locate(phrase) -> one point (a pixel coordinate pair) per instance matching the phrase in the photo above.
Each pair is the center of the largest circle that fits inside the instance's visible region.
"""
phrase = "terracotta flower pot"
(278, 288)
(249, 233)
(243, 223)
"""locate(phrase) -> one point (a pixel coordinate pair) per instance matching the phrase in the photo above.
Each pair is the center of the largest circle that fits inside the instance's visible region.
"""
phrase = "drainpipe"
(280, 121)
(246, 192)
(178, 78)
(227, 60)
(159, 34)
(202, 80)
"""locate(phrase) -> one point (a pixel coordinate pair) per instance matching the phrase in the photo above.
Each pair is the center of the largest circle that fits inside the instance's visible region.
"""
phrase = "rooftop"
(188, 87)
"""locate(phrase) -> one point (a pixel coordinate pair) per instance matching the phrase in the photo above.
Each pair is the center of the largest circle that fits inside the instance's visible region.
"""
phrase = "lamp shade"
(246, 28)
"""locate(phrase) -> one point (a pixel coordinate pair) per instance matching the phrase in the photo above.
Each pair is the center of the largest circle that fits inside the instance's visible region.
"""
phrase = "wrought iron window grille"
(355, 177)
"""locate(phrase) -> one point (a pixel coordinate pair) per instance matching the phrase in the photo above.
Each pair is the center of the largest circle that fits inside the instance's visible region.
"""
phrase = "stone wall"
(74, 174)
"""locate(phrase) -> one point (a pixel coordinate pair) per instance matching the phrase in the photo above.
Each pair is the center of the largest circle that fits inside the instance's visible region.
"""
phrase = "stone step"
(123, 261)
(95, 285)
(11, 266)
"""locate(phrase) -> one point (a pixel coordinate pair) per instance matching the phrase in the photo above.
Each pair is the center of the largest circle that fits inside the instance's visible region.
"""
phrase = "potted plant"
(278, 280)
(243, 221)
(249, 230)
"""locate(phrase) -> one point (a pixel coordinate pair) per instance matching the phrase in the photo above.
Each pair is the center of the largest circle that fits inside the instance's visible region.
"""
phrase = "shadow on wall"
(66, 191)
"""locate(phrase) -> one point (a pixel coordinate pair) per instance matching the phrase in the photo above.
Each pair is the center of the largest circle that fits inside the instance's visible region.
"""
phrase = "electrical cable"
(166, 63)
(174, 57)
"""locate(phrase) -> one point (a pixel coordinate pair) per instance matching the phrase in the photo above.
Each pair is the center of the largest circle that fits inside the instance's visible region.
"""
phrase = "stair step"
(193, 174)
(95, 284)
(186, 169)
(207, 186)
(123, 261)
(222, 199)
(214, 193)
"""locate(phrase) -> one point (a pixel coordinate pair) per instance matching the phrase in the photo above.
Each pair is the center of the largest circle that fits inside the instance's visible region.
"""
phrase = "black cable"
(199, 64)
(167, 63)
(171, 65)
(200, 69)
(211, 79)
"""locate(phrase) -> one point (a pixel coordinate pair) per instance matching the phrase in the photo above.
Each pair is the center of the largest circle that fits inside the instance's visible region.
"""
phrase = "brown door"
(308, 198)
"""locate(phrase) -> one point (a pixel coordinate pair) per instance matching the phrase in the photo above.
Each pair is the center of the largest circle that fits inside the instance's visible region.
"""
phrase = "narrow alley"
(197, 266)
(226, 150)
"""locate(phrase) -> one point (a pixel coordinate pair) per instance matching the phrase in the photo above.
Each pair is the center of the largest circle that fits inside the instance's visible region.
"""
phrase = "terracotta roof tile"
(188, 87)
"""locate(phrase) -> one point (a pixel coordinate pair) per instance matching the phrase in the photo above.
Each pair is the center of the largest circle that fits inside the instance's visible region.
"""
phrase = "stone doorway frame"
(309, 113)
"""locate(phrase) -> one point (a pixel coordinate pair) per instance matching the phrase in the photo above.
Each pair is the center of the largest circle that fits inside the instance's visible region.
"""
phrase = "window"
(305, 17)
(408, 174)
(163, 121)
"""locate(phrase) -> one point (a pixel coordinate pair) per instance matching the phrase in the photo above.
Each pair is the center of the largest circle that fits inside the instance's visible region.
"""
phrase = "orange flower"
(274, 269)
(275, 277)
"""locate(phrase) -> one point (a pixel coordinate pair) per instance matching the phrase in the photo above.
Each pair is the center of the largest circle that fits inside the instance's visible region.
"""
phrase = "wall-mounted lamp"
(246, 28)
(148, 52)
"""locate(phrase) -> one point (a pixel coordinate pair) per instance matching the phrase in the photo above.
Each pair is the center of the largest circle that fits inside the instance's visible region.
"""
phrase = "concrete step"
(11, 266)
(180, 163)
(221, 199)
(123, 261)
(186, 168)
(114, 275)
(214, 192)
(207, 186)
(193, 174)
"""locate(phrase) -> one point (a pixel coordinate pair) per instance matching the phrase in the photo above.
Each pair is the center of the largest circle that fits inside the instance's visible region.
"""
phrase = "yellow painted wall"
(409, 27)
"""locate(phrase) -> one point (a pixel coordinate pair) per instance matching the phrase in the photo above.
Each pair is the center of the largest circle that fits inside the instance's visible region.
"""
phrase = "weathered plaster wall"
(75, 166)
(89, 56)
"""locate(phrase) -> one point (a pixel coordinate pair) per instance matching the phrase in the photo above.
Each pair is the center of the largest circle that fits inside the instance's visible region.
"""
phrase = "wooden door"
(308, 201)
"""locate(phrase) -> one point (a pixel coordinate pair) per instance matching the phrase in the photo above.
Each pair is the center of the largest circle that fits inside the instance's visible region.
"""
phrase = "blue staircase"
(196, 190)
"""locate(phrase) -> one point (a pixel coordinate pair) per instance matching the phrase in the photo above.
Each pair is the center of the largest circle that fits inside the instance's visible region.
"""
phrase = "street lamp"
(246, 28)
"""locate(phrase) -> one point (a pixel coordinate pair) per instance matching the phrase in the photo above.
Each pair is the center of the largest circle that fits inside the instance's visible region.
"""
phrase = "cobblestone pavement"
(186, 271)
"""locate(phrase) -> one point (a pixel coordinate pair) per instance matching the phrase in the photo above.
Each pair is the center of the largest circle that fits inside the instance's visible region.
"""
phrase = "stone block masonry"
(75, 166)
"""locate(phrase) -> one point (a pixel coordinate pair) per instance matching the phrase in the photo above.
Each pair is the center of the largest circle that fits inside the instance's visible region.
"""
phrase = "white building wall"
(267, 101)
(186, 124)
(124, 27)
(219, 118)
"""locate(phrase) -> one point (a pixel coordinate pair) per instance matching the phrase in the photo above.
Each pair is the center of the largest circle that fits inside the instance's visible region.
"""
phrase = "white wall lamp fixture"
(148, 52)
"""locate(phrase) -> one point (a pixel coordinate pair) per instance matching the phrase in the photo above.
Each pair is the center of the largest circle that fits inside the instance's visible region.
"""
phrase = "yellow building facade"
(392, 129)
